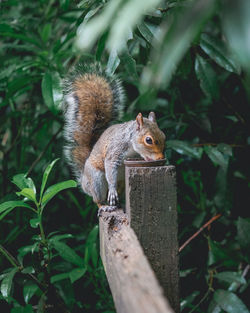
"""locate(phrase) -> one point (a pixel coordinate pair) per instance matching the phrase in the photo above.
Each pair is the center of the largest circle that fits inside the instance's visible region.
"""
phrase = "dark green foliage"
(188, 60)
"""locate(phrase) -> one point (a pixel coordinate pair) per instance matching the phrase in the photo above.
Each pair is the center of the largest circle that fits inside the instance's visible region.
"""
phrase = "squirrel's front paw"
(106, 208)
(113, 197)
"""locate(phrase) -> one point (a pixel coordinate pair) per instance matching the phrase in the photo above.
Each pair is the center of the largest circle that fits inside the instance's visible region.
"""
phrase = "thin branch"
(10, 257)
(17, 265)
(43, 152)
(199, 231)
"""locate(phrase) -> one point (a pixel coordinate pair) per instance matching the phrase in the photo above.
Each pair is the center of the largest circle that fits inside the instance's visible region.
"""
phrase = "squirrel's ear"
(152, 117)
(139, 120)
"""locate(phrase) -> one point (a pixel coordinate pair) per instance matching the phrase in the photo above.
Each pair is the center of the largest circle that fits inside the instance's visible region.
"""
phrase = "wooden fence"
(139, 248)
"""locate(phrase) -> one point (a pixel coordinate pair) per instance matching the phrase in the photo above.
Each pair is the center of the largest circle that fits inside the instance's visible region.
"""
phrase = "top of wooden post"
(143, 163)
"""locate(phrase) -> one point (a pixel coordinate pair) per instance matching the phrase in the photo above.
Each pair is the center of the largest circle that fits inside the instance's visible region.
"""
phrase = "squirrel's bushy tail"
(92, 100)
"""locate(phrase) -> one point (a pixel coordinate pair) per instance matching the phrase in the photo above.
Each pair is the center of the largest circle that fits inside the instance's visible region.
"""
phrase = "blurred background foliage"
(187, 60)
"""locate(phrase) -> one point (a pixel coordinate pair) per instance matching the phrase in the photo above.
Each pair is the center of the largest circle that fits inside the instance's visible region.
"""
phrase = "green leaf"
(28, 193)
(52, 91)
(60, 237)
(217, 51)
(146, 32)
(59, 277)
(219, 253)
(22, 181)
(225, 149)
(67, 253)
(229, 302)
(54, 189)
(34, 222)
(23, 309)
(174, 40)
(113, 62)
(76, 274)
(243, 235)
(46, 175)
(129, 16)
(29, 290)
(216, 156)
(7, 283)
(88, 33)
(207, 77)
(130, 66)
(7, 207)
(183, 147)
(46, 32)
(91, 247)
(13, 204)
(236, 24)
(92, 236)
(231, 277)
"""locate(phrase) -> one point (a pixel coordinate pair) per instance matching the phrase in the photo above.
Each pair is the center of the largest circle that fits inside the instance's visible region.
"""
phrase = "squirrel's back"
(92, 100)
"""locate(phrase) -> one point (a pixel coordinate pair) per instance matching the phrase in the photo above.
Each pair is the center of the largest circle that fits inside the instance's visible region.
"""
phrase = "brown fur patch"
(95, 100)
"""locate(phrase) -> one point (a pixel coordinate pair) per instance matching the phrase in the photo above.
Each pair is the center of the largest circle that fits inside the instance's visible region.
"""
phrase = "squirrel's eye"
(149, 140)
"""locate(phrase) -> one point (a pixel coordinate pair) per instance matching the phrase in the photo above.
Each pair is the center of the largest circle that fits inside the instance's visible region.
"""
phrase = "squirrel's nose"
(160, 156)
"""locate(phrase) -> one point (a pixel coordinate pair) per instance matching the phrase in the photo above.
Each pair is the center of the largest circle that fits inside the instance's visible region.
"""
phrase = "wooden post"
(133, 284)
(152, 212)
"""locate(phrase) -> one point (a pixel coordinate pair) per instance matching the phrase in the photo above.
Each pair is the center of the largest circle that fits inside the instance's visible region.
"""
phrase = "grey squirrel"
(95, 150)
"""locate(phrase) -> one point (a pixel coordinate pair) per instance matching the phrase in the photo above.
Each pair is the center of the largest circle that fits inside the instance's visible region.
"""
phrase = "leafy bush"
(188, 61)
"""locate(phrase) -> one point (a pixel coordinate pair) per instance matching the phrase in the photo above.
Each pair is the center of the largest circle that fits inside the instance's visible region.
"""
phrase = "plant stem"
(41, 229)
(10, 258)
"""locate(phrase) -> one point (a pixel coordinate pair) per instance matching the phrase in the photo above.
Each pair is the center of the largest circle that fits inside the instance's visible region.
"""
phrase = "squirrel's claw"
(113, 197)
(106, 208)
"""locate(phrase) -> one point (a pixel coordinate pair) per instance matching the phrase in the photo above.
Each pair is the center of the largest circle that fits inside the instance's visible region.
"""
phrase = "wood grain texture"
(132, 282)
(152, 211)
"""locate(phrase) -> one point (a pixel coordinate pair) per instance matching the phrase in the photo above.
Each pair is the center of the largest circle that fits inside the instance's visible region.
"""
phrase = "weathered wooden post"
(152, 212)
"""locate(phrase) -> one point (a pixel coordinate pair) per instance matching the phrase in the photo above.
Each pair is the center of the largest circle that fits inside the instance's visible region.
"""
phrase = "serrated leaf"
(52, 91)
(207, 77)
(7, 283)
(229, 302)
(46, 175)
(76, 274)
(28, 193)
(185, 148)
(231, 277)
(146, 32)
(67, 253)
(29, 290)
(216, 156)
(59, 277)
(54, 189)
(130, 66)
(225, 149)
(217, 51)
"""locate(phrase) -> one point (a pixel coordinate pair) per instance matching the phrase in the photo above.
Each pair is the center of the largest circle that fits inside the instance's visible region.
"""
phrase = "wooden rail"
(139, 283)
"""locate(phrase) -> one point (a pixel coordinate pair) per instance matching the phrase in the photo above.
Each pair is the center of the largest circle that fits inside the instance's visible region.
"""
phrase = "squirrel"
(95, 149)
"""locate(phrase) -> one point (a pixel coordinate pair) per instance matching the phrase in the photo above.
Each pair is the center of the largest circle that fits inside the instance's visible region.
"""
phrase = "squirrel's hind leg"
(94, 183)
